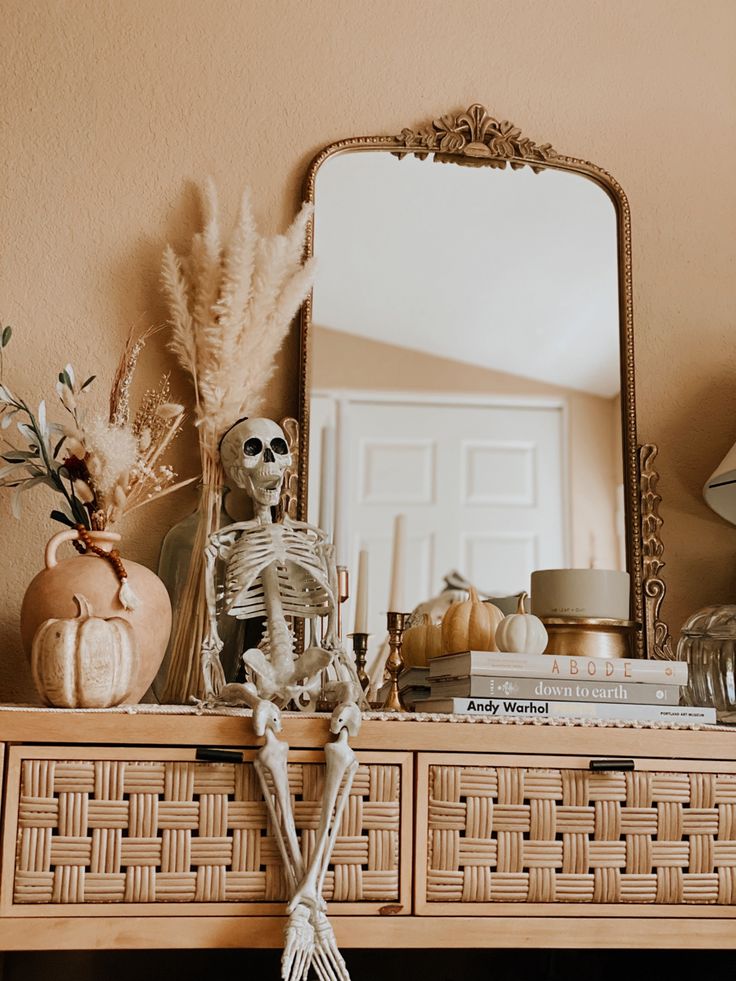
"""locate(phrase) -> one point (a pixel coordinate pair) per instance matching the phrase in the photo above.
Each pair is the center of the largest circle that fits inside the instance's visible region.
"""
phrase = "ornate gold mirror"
(468, 360)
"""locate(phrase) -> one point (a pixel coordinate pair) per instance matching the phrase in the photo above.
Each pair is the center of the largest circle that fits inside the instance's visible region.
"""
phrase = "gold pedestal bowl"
(590, 637)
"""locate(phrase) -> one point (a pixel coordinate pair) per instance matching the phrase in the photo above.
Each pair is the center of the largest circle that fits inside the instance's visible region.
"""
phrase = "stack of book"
(555, 687)
(414, 687)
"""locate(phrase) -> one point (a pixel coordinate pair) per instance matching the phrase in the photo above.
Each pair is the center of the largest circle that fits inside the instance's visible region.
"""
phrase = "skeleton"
(274, 571)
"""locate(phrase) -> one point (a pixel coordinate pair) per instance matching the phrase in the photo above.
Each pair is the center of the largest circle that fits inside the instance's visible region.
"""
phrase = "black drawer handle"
(600, 766)
(209, 755)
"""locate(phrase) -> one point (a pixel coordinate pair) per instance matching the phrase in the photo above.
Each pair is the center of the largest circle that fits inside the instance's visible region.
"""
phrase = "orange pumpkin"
(470, 625)
(421, 642)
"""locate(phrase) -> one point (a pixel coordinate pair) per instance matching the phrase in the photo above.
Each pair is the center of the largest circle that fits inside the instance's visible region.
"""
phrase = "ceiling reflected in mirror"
(510, 270)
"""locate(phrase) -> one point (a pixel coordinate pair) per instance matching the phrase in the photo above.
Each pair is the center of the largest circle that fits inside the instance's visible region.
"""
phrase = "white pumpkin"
(521, 632)
(86, 662)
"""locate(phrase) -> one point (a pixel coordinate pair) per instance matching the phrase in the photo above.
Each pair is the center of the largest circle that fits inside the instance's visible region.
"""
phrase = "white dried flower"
(73, 446)
(83, 492)
(112, 454)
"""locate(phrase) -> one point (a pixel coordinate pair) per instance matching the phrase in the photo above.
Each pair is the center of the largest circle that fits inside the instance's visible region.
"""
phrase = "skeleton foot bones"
(282, 571)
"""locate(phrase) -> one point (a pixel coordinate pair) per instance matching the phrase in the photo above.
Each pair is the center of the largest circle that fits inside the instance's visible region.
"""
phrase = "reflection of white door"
(481, 485)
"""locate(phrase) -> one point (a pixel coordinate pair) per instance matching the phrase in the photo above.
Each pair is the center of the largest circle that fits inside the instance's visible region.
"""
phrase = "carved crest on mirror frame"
(475, 137)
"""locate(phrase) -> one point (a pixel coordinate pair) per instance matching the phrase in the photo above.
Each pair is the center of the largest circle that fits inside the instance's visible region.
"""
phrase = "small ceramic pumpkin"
(470, 625)
(421, 642)
(521, 632)
(86, 662)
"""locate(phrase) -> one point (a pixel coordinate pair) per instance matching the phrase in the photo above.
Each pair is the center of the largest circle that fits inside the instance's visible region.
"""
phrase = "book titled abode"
(479, 663)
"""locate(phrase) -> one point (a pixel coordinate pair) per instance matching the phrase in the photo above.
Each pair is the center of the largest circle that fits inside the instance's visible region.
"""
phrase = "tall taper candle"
(398, 566)
(340, 504)
(327, 479)
(361, 594)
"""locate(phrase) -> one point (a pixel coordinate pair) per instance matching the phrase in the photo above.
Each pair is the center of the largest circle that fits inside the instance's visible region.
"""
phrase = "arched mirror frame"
(475, 138)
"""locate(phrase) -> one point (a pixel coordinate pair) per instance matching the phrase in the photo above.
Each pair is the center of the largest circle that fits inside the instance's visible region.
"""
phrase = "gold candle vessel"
(590, 637)
(394, 661)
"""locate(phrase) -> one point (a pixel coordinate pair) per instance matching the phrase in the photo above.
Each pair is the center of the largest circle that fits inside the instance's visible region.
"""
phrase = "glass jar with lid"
(708, 645)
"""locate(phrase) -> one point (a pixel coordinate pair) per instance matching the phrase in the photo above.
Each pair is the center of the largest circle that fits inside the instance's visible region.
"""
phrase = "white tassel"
(126, 595)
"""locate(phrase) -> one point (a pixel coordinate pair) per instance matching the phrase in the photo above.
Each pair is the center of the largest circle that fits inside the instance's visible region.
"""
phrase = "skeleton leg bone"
(340, 763)
(309, 938)
(272, 759)
(299, 942)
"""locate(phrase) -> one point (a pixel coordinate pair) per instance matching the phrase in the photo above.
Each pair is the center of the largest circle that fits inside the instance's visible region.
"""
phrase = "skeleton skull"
(255, 456)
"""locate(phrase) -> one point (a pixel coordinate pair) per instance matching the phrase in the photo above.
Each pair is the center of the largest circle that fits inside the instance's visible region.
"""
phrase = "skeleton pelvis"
(280, 675)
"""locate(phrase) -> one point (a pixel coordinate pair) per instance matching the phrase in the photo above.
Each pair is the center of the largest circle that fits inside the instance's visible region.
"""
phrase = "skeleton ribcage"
(302, 574)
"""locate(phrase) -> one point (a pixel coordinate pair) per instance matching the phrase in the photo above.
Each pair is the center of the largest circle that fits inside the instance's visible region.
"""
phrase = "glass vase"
(176, 551)
(708, 645)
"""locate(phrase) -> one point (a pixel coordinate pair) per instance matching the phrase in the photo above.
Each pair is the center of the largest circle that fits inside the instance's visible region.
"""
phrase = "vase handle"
(72, 535)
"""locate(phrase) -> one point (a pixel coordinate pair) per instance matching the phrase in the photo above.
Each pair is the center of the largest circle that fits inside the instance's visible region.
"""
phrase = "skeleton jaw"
(262, 483)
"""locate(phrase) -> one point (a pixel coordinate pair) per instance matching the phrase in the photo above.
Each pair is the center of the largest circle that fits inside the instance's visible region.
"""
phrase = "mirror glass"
(465, 372)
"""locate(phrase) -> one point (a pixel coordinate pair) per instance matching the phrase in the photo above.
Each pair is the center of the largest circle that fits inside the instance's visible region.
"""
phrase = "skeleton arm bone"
(212, 673)
(326, 552)
(218, 547)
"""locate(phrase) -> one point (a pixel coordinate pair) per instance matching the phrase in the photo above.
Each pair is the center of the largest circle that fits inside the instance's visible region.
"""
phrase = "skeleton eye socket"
(279, 446)
(252, 446)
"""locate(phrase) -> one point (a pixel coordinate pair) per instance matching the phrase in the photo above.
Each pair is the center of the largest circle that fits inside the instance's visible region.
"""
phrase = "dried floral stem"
(169, 490)
(184, 674)
(120, 390)
(101, 466)
(230, 309)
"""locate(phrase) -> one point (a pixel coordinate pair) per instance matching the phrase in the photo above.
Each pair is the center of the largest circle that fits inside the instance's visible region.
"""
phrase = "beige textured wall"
(347, 361)
(108, 110)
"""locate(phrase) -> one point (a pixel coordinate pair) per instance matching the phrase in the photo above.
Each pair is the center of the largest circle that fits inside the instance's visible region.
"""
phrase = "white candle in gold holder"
(591, 593)
(398, 566)
(361, 595)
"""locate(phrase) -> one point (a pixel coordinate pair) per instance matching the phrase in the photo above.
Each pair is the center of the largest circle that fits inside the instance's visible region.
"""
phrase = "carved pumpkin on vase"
(113, 587)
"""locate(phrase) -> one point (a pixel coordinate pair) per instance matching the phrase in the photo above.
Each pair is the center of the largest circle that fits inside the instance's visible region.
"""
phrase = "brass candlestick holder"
(394, 661)
(360, 652)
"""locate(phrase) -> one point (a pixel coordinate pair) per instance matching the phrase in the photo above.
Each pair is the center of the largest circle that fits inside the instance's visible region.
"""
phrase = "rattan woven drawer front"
(162, 831)
(500, 834)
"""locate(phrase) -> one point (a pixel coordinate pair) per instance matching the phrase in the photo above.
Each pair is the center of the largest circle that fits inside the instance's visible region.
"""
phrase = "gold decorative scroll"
(658, 642)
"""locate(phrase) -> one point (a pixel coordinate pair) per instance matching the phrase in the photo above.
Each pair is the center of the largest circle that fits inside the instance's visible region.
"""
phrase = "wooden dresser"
(456, 834)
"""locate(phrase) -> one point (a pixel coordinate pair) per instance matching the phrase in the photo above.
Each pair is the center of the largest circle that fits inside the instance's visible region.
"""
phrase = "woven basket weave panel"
(150, 832)
(509, 834)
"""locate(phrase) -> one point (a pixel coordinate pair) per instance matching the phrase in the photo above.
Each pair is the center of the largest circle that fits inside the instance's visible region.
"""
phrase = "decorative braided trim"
(242, 713)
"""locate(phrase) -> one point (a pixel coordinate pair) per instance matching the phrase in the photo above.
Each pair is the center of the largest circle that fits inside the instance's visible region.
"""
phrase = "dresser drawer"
(548, 831)
(145, 828)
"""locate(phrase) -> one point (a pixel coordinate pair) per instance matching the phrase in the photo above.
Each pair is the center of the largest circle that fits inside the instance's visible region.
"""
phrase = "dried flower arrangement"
(230, 308)
(102, 465)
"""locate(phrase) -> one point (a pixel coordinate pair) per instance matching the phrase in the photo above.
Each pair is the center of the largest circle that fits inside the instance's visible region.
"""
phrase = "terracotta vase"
(51, 596)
